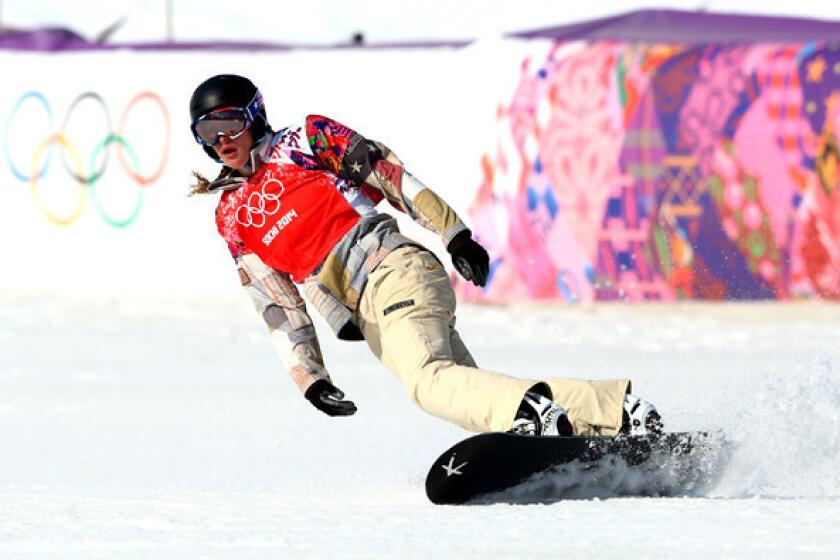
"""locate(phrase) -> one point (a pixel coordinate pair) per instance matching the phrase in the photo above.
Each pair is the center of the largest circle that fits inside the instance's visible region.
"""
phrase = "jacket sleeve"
(372, 166)
(277, 299)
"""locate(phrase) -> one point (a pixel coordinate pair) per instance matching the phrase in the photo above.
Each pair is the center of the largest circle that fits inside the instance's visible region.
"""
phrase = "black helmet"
(228, 90)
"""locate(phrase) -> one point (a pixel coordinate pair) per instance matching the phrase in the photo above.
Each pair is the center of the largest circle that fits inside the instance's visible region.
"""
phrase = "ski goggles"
(228, 121)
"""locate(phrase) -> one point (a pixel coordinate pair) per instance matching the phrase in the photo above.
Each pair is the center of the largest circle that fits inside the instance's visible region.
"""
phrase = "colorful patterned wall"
(632, 171)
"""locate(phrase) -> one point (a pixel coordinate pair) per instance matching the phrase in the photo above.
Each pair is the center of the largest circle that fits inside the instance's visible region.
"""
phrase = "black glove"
(469, 258)
(327, 398)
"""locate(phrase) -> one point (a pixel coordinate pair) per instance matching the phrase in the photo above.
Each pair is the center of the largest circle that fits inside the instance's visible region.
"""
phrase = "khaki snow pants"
(407, 316)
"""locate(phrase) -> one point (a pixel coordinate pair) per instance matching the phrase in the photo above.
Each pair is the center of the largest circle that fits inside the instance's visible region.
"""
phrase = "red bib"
(290, 217)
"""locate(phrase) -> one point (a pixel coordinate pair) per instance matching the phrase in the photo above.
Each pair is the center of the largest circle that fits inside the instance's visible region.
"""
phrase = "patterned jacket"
(320, 153)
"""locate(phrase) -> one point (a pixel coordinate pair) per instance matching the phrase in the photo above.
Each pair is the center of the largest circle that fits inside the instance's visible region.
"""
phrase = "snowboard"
(502, 467)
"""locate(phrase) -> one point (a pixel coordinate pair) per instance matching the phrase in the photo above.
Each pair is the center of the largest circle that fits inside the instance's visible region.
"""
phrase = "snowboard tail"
(503, 467)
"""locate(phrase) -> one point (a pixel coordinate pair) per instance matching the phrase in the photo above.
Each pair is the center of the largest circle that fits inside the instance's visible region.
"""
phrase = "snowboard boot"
(640, 417)
(540, 416)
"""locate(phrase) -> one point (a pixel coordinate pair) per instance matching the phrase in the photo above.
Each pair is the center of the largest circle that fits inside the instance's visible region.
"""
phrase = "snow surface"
(167, 429)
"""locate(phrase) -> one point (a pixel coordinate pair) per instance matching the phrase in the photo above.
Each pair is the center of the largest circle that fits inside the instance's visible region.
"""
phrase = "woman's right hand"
(329, 399)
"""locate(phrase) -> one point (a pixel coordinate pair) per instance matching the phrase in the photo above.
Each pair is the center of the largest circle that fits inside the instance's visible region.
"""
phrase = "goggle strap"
(254, 106)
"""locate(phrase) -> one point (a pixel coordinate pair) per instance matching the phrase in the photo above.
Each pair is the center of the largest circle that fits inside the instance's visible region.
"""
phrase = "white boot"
(540, 416)
(640, 417)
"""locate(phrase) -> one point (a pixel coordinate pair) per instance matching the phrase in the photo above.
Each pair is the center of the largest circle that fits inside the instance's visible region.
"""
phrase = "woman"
(297, 207)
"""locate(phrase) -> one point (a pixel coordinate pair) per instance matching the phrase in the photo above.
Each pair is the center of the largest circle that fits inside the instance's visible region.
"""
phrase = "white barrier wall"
(76, 216)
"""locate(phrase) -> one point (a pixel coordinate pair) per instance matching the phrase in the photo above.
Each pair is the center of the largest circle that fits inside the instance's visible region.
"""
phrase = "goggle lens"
(211, 127)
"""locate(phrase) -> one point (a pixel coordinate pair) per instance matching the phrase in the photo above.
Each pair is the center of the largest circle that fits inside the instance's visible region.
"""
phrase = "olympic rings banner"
(96, 154)
(78, 145)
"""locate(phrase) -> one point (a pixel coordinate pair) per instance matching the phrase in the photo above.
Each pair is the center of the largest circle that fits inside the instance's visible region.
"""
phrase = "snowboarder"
(298, 207)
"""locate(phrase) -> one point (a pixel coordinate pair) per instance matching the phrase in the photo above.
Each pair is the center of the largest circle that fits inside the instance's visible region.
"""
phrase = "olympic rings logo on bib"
(86, 174)
(259, 205)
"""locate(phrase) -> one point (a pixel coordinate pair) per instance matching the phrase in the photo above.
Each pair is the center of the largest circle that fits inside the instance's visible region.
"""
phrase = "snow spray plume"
(787, 436)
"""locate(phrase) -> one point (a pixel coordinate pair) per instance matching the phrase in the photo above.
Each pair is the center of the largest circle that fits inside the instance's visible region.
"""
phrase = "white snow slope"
(163, 429)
